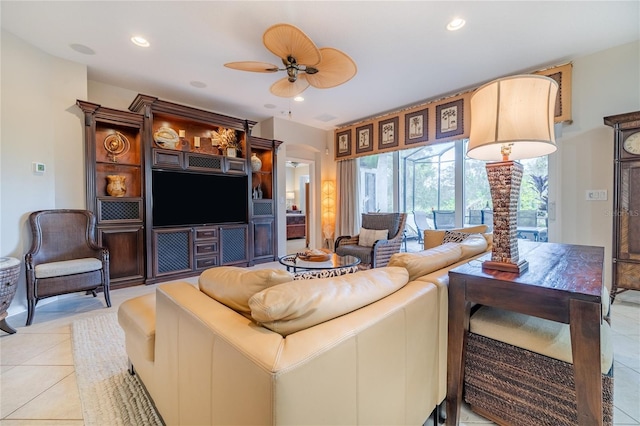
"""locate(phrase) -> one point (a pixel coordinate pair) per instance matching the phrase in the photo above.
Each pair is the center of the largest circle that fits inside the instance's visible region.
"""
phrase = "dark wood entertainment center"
(202, 230)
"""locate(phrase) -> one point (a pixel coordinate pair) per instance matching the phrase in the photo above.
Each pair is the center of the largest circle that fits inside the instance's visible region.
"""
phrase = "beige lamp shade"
(517, 111)
(290, 195)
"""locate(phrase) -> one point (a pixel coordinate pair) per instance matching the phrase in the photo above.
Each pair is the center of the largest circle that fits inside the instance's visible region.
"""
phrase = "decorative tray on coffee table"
(315, 255)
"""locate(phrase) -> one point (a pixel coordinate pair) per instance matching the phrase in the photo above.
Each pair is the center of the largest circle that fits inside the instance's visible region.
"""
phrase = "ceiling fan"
(304, 63)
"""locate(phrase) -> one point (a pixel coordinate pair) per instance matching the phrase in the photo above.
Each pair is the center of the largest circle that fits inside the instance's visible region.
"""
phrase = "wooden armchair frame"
(382, 250)
(64, 257)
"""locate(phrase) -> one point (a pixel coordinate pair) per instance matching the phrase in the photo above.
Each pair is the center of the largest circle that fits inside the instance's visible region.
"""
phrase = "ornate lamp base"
(505, 178)
(519, 268)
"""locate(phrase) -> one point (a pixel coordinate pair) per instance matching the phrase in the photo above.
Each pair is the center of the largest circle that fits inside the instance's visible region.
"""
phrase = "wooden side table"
(9, 271)
(564, 284)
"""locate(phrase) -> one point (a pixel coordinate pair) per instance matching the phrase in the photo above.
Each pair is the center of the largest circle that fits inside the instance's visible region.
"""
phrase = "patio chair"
(444, 219)
(475, 217)
(487, 219)
(420, 219)
(378, 254)
(528, 218)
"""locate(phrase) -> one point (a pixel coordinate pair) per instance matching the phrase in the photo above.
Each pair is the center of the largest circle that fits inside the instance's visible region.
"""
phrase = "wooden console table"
(564, 284)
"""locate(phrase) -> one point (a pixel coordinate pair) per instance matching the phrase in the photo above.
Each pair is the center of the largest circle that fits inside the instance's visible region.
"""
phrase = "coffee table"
(293, 263)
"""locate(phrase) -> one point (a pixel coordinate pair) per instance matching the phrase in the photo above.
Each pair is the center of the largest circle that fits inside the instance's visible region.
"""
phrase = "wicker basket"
(8, 287)
(514, 386)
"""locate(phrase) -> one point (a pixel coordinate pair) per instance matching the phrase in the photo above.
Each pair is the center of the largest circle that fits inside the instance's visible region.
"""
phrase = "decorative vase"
(116, 185)
(231, 152)
(256, 163)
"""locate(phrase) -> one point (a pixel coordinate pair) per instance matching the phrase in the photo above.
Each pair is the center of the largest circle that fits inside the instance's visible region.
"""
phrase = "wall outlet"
(596, 195)
(38, 168)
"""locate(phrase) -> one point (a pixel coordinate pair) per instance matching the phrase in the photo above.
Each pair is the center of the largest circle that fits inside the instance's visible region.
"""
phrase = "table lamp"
(512, 118)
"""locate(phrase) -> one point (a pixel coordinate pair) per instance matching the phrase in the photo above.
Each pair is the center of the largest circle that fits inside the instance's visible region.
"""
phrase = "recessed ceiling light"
(140, 41)
(298, 99)
(269, 106)
(198, 84)
(456, 24)
(81, 48)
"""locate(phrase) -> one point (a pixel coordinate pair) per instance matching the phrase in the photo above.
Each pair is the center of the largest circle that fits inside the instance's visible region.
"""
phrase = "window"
(424, 179)
(376, 183)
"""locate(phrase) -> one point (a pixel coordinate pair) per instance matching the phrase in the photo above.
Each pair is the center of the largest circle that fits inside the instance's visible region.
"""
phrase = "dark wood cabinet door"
(173, 251)
(126, 254)
(263, 239)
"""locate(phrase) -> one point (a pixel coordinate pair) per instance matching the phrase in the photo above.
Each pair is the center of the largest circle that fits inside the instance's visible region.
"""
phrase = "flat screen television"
(181, 198)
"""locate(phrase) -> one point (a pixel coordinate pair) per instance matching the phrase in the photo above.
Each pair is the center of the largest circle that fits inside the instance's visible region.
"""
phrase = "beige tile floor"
(38, 383)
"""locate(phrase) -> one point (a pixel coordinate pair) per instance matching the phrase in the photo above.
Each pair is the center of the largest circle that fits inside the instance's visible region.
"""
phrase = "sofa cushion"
(472, 245)
(426, 261)
(297, 305)
(234, 286)
(367, 237)
(434, 237)
(67, 267)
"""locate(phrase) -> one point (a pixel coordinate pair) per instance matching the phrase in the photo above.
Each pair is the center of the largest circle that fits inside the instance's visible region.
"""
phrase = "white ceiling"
(403, 52)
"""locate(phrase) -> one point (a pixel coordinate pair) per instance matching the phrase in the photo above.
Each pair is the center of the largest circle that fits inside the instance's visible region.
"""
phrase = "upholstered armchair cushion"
(294, 306)
(382, 250)
(233, 286)
(67, 267)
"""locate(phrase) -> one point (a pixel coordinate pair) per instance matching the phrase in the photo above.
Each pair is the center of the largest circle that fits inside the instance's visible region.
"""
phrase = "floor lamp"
(512, 118)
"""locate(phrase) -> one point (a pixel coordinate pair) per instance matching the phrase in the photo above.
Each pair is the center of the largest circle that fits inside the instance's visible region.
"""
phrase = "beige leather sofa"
(253, 347)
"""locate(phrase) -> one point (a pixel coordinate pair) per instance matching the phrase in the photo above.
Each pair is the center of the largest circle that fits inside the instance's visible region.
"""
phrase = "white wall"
(605, 83)
(305, 144)
(40, 123)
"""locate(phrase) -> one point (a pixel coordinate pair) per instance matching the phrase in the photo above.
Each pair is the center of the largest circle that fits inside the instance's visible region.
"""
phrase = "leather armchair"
(64, 257)
(379, 254)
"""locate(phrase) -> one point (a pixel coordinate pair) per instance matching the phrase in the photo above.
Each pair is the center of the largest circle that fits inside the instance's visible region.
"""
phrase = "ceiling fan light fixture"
(304, 63)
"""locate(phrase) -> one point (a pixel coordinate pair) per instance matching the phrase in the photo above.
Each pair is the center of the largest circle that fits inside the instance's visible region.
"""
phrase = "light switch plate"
(596, 195)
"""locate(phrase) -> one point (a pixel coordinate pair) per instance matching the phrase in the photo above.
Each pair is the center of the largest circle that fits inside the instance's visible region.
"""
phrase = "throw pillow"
(454, 237)
(295, 306)
(233, 286)
(369, 236)
(433, 237)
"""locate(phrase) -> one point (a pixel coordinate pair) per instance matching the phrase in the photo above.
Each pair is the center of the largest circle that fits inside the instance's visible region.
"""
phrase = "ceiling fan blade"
(285, 40)
(287, 89)
(335, 68)
(253, 66)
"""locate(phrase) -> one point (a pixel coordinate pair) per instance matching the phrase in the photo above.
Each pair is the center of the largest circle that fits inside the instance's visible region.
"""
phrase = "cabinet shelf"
(119, 164)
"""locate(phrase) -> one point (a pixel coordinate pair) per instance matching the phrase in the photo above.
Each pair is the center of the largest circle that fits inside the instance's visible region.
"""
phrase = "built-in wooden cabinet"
(191, 202)
(262, 163)
(115, 188)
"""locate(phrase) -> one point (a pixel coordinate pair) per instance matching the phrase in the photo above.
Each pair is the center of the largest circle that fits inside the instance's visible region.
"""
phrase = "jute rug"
(110, 396)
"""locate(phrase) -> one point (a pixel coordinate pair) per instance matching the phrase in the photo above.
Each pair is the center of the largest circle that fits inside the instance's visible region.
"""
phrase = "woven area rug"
(109, 394)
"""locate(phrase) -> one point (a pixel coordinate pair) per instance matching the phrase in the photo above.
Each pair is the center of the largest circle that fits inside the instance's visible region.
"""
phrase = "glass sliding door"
(424, 179)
